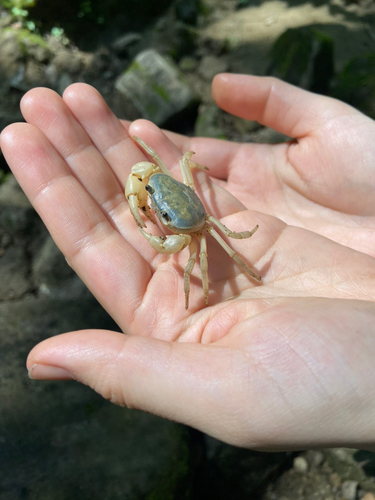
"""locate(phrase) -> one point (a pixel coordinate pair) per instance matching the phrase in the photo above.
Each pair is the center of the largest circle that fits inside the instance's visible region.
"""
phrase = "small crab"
(179, 208)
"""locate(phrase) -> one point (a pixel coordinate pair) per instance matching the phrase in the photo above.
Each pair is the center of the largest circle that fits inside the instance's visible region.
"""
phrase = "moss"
(158, 89)
(133, 66)
(303, 57)
(356, 84)
(24, 34)
(151, 109)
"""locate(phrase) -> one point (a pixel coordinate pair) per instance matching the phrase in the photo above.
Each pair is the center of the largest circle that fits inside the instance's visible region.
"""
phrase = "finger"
(293, 359)
(178, 381)
(47, 110)
(234, 393)
(110, 267)
(215, 154)
(276, 104)
(103, 128)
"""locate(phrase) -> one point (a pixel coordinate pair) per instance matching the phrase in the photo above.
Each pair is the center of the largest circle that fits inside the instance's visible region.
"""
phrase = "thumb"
(184, 382)
(290, 110)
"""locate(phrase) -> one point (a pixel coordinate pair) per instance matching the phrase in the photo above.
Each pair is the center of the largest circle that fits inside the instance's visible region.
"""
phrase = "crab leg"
(188, 270)
(153, 154)
(232, 253)
(228, 232)
(204, 265)
(186, 165)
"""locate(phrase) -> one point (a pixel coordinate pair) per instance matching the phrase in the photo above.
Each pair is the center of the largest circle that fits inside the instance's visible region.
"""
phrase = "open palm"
(262, 362)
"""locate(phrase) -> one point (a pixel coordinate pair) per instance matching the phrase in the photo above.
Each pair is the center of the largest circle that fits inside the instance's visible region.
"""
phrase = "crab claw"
(136, 195)
(170, 244)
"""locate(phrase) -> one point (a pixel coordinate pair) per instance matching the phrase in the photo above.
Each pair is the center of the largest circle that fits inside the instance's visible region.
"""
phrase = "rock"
(102, 60)
(349, 490)
(187, 10)
(153, 88)
(211, 66)
(19, 225)
(63, 82)
(6, 19)
(11, 58)
(234, 473)
(14, 282)
(335, 480)
(188, 63)
(14, 268)
(18, 80)
(65, 441)
(169, 37)
(314, 458)
(35, 75)
(300, 465)
(303, 57)
(51, 75)
(67, 61)
(122, 43)
(356, 84)
(7, 117)
(53, 276)
(208, 122)
(12, 195)
(37, 48)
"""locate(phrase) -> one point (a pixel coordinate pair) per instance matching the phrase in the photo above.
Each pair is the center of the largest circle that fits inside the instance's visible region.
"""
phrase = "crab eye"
(149, 189)
(166, 216)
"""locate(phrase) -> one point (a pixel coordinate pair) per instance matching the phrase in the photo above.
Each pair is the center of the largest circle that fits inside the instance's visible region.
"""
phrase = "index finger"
(108, 264)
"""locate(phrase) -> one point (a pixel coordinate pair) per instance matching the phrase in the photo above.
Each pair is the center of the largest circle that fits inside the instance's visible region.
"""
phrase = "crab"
(178, 208)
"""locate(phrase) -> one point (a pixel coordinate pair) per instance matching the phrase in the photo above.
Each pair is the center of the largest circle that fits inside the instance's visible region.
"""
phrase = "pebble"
(211, 66)
(300, 465)
(314, 458)
(349, 490)
(335, 479)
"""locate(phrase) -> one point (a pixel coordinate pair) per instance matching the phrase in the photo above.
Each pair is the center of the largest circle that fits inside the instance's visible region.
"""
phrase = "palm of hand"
(316, 293)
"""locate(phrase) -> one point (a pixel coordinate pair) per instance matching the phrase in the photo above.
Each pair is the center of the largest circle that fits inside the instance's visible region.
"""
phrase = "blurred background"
(151, 59)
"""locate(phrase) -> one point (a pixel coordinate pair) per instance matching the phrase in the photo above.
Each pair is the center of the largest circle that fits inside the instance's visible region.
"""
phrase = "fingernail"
(47, 372)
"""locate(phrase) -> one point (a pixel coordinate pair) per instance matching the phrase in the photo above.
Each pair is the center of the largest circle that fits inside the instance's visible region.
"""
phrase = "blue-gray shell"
(177, 206)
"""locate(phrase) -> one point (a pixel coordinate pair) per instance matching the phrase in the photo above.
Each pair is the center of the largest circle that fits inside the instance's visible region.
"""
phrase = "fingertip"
(219, 85)
(7, 135)
(155, 138)
(35, 96)
(143, 128)
(81, 90)
(11, 136)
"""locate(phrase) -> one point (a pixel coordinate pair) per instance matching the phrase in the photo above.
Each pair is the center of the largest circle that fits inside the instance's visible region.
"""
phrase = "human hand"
(288, 364)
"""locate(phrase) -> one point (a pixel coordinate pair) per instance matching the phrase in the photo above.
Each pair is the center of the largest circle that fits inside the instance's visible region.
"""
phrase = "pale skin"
(287, 364)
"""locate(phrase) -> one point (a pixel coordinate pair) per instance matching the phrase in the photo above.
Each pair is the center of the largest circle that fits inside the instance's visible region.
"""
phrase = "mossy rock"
(356, 84)
(208, 123)
(152, 87)
(303, 57)
(188, 10)
(26, 38)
